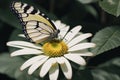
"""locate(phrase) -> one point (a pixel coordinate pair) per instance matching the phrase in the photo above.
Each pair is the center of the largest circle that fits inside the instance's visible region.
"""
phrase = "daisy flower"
(55, 54)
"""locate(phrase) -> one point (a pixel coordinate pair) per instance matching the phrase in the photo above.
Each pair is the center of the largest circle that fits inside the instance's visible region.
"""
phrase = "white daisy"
(50, 55)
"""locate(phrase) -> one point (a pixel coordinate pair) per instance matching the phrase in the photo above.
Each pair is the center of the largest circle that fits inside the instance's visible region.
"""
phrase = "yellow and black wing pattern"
(37, 26)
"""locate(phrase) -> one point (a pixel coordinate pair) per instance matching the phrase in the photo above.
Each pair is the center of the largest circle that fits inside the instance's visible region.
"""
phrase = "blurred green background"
(71, 12)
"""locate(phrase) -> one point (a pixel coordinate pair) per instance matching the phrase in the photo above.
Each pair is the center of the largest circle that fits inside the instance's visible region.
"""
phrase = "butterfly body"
(37, 26)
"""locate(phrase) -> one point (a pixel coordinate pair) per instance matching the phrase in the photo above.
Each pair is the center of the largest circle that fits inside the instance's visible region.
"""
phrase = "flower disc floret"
(55, 48)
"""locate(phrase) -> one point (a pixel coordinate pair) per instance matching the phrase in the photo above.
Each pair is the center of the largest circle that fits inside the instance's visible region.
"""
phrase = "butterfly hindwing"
(37, 26)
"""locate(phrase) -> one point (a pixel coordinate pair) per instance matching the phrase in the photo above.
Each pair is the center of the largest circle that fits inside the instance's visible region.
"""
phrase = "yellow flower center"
(55, 48)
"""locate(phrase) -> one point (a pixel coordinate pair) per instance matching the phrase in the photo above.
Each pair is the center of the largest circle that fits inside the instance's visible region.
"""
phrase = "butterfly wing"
(36, 25)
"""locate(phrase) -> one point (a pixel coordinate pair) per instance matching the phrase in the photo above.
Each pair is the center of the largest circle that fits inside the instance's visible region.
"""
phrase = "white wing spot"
(24, 6)
(18, 4)
(47, 18)
(42, 14)
(37, 12)
(30, 9)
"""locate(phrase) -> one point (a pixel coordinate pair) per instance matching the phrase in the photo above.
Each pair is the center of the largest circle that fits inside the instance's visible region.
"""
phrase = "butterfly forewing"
(37, 26)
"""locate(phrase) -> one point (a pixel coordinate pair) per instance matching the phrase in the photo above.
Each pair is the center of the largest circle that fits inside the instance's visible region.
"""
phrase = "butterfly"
(37, 26)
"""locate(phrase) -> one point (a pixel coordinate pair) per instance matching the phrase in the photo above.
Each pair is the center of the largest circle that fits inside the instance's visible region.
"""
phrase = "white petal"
(72, 33)
(21, 35)
(75, 58)
(60, 60)
(83, 54)
(22, 44)
(36, 65)
(79, 39)
(62, 25)
(53, 72)
(57, 23)
(63, 31)
(66, 68)
(26, 51)
(81, 46)
(31, 61)
(46, 66)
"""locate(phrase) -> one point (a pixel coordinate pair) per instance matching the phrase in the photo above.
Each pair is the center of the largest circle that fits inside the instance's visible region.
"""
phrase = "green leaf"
(87, 1)
(108, 71)
(10, 66)
(91, 10)
(111, 6)
(106, 39)
(82, 75)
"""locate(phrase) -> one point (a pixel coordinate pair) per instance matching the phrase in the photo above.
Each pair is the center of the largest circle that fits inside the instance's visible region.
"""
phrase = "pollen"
(55, 48)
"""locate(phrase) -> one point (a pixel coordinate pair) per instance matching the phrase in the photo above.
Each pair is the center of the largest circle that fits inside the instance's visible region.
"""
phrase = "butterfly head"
(55, 34)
